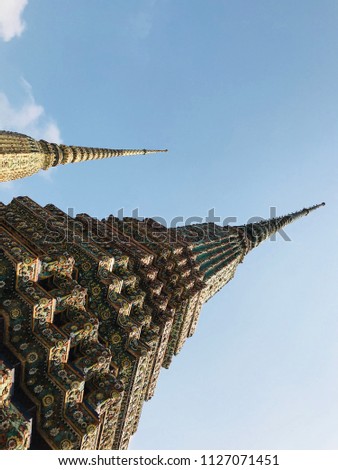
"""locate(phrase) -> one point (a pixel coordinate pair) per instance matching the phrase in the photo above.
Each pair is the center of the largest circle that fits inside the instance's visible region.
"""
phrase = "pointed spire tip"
(312, 208)
(146, 151)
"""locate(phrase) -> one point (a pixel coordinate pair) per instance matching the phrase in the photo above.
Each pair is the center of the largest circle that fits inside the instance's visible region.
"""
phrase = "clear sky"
(244, 95)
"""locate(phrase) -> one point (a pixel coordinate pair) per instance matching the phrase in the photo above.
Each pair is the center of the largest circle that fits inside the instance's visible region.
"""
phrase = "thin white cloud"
(141, 23)
(11, 22)
(8, 185)
(29, 118)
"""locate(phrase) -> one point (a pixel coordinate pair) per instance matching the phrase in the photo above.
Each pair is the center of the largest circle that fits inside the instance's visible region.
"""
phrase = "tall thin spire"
(217, 251)
(63, 154)
(21, 155)
(258, 232)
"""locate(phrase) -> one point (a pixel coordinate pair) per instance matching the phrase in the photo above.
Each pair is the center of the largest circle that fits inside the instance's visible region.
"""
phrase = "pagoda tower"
(90, 310)
(21, 155)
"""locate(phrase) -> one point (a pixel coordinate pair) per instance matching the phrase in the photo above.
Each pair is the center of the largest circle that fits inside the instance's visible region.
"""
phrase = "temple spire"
(258, 232)
(217, 250)
(22, 156)
(124, 301)
(63, 154)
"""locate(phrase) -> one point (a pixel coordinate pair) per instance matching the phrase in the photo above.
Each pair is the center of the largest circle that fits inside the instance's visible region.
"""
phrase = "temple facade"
(21, 155)
(90, 310)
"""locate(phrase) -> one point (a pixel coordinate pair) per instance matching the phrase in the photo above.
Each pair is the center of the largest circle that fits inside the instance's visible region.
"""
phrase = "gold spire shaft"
(63, 154)
(21, 155)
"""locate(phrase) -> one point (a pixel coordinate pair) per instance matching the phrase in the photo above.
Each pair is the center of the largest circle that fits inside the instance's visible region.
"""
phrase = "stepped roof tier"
(91, 310)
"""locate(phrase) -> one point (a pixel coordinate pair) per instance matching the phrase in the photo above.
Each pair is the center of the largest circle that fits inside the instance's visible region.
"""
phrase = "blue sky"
(244, 95)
